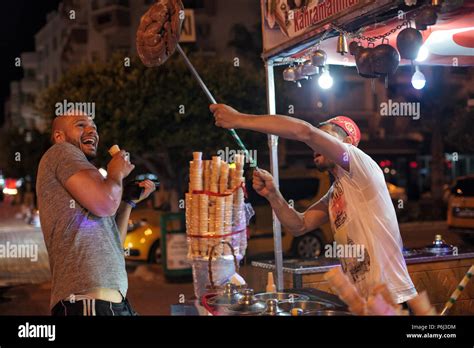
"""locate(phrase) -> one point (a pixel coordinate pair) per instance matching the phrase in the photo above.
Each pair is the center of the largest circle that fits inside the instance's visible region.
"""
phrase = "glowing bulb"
(418, 80)
(422, 54)
(325, 81)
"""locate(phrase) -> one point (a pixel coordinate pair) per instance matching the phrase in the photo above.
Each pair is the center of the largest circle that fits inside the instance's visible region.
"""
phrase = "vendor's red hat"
(348, 125)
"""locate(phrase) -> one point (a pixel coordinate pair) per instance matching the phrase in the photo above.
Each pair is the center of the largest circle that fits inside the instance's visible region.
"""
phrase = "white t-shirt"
(362, 214)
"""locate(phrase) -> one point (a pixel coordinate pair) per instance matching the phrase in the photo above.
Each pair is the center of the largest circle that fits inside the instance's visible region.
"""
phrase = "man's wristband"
(130, 203)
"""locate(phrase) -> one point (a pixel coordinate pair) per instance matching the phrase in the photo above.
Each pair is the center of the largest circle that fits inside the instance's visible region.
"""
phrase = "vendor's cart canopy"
(292, 27)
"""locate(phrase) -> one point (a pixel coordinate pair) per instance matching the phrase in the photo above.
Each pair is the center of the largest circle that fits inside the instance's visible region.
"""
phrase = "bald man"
(84, 221)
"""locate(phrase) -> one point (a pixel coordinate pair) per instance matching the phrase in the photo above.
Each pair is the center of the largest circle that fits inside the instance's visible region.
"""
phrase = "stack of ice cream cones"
(213, 204)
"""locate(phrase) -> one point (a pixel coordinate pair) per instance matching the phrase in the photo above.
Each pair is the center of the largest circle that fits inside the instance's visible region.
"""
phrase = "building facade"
(93, 30)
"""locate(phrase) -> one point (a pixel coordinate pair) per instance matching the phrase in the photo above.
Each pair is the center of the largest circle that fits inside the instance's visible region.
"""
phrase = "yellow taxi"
(142, 242)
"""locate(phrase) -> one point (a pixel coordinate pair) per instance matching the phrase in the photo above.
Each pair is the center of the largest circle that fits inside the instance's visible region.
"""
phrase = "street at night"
(175, 161)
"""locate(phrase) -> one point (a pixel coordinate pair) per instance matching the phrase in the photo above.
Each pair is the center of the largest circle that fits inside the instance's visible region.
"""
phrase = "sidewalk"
(26, 259)
(148, 293)
(25, 284)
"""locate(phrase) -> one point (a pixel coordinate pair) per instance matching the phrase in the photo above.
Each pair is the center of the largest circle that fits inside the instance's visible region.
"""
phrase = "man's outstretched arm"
(285, 127)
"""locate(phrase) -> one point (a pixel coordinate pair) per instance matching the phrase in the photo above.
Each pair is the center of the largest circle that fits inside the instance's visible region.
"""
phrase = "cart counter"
(437, 274)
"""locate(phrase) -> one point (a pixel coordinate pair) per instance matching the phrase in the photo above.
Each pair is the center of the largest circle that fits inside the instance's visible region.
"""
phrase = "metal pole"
(196, 75)
(273, 148)
(211, 98)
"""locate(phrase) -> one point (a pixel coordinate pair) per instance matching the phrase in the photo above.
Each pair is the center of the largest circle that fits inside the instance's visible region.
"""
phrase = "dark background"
(19, 22)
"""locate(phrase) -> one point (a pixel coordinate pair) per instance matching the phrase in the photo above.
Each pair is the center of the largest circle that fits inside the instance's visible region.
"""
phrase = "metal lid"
(439, 246)
(280, 296)
(272, 309)
(247, 304)
(228, 297)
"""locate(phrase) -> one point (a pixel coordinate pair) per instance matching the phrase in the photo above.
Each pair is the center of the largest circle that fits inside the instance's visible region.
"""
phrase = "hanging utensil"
(409, 41)
(342, 47)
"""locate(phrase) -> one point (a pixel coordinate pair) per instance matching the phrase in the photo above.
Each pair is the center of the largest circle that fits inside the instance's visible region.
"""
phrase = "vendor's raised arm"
(287, 127)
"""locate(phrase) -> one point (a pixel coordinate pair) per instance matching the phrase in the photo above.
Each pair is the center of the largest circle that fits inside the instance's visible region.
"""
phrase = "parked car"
(302, 187)
(461, 207)
(144, 234)
(396, 192)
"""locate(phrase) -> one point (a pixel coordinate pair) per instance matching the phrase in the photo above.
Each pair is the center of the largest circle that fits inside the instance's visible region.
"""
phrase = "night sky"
(20, 20)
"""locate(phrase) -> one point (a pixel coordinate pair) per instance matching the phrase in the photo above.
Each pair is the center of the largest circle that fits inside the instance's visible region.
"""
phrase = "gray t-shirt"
(84, 250)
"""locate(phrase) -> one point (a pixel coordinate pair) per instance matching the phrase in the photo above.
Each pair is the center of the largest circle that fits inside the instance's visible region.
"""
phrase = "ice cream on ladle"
(159, 31)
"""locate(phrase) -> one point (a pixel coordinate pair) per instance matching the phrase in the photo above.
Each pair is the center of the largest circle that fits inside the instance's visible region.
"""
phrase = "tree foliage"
(160, 115)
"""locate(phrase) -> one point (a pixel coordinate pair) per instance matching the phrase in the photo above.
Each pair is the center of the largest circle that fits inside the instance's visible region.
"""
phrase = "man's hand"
(119, 166)
(149, 188)
(263, 183)
(225, 116)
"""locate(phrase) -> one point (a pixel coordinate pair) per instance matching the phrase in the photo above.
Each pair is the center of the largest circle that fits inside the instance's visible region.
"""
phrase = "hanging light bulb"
(422, 54)
(325, 81)
(418, 80)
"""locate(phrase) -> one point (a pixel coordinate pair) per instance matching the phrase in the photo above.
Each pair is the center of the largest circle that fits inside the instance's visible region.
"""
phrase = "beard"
(324, 166)
(89, 155)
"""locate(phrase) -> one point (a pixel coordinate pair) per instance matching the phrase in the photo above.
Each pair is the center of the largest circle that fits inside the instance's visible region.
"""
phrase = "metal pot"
(280, 296)
(305, 306)
(319, 58)
(230, 296)
(427, 16)
(364, 64)
(409, 41)
(272, 309)
(326, 312)
(308, 69)
(439, 247)
(299, 73)
(247, 305)
(289, 74)
(354, 47)
(385, 60)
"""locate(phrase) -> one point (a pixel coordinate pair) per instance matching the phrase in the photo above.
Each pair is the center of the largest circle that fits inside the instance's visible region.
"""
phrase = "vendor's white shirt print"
(361, 212)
